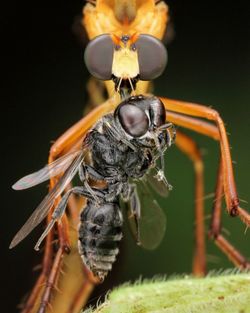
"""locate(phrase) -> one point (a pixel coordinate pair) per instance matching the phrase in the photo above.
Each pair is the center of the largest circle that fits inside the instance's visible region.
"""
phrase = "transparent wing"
(150, 227)
(43, 209)
(158, 182)
(51, 170)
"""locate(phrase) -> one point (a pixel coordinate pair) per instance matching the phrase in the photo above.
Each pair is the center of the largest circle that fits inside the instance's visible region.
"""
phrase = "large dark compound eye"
(152, 57)
(157, 112)
(133, 120)
(98, 57)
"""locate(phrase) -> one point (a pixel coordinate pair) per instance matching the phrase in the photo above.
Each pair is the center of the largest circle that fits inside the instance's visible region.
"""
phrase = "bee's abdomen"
(99, 234)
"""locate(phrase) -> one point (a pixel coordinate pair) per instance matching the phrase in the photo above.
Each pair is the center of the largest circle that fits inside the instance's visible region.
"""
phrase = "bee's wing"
(43, 208)
(51, 170)
(161, 186)
(152, 220)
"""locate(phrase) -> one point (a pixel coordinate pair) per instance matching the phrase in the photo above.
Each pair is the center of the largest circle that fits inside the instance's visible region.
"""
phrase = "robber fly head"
(125, 60)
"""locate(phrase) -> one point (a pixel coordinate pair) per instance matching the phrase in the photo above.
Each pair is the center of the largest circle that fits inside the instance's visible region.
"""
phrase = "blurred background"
(44, 94)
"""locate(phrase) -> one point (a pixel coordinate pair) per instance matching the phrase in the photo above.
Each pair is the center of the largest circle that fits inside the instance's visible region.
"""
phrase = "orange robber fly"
(125, 52)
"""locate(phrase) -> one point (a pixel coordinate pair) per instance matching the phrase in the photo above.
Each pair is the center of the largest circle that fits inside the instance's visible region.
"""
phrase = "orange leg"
(76, 132)
(47, 260)
(189, 147)
(210, 114)
(70, 139)
(205, 128)
(215, 227)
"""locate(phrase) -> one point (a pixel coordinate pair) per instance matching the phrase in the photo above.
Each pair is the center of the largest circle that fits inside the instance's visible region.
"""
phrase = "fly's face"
(125, 57)
(125, 60)
(125, 65)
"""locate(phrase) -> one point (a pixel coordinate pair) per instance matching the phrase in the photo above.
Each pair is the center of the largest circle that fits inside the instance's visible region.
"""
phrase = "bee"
(123, 146)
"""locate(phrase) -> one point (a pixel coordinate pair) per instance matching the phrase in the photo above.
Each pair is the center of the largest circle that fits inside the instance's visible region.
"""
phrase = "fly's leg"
(215, 227)
(210, 130)
(50, 283)
(71, 138)
(46, 267)
(201, 111)
(189, 147)
(76, 133)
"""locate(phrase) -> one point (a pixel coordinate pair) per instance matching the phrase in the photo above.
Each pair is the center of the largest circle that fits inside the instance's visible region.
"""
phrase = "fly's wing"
(158, 182)
(43, 209)
(51, 170)
(150, 225)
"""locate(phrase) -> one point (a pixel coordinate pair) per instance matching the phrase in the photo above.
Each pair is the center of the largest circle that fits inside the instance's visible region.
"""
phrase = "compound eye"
(133, 120)
(157, 112)
(152, 57)
(98, 57)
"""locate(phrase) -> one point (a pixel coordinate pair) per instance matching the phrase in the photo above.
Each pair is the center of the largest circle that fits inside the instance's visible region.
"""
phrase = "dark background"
(44, 93)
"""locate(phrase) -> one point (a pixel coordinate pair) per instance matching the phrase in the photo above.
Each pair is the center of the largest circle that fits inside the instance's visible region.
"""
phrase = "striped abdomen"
(99, 235)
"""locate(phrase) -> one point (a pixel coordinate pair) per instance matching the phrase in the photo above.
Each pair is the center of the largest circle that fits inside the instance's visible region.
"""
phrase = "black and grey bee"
(122, 150)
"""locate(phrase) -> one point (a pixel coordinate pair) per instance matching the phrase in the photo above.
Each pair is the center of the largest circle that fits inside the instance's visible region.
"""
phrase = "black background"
(43, 93)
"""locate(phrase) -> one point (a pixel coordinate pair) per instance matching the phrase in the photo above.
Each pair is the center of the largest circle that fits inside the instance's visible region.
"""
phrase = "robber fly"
(123, 147)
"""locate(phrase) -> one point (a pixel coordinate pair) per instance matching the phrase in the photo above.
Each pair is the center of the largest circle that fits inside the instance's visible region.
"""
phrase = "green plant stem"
(217, 294)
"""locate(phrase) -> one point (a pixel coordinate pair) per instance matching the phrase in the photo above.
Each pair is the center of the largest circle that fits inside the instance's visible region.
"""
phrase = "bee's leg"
(215, 227)
(201, 111)
(86, 171)
(210, 130)
(60, 209)
(93, 173)
(188, 146)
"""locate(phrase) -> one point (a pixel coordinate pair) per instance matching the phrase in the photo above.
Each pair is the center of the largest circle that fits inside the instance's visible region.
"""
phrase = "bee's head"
(140, 116)
(125, 59)
(143, 121)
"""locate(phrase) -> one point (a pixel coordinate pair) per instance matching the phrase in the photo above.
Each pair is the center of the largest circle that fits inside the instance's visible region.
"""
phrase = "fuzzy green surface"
(220, 294)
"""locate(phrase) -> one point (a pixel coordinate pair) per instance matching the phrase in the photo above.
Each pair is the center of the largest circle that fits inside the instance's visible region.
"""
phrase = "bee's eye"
(98, 57)
(152, 57)
(133, 120)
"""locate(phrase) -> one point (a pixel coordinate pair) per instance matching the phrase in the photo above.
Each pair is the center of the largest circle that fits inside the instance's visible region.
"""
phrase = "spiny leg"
(190, 148)
(46, 266)
(205, 128)
(215, 227)
(50, 282)
(201, 111)
(76, 133)
(231, 196)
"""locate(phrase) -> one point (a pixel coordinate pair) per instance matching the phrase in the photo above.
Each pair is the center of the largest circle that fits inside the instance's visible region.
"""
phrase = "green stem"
(214, 294)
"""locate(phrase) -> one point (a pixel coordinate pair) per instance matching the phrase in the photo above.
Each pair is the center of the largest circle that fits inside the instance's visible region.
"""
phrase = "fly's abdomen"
(99, 234)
